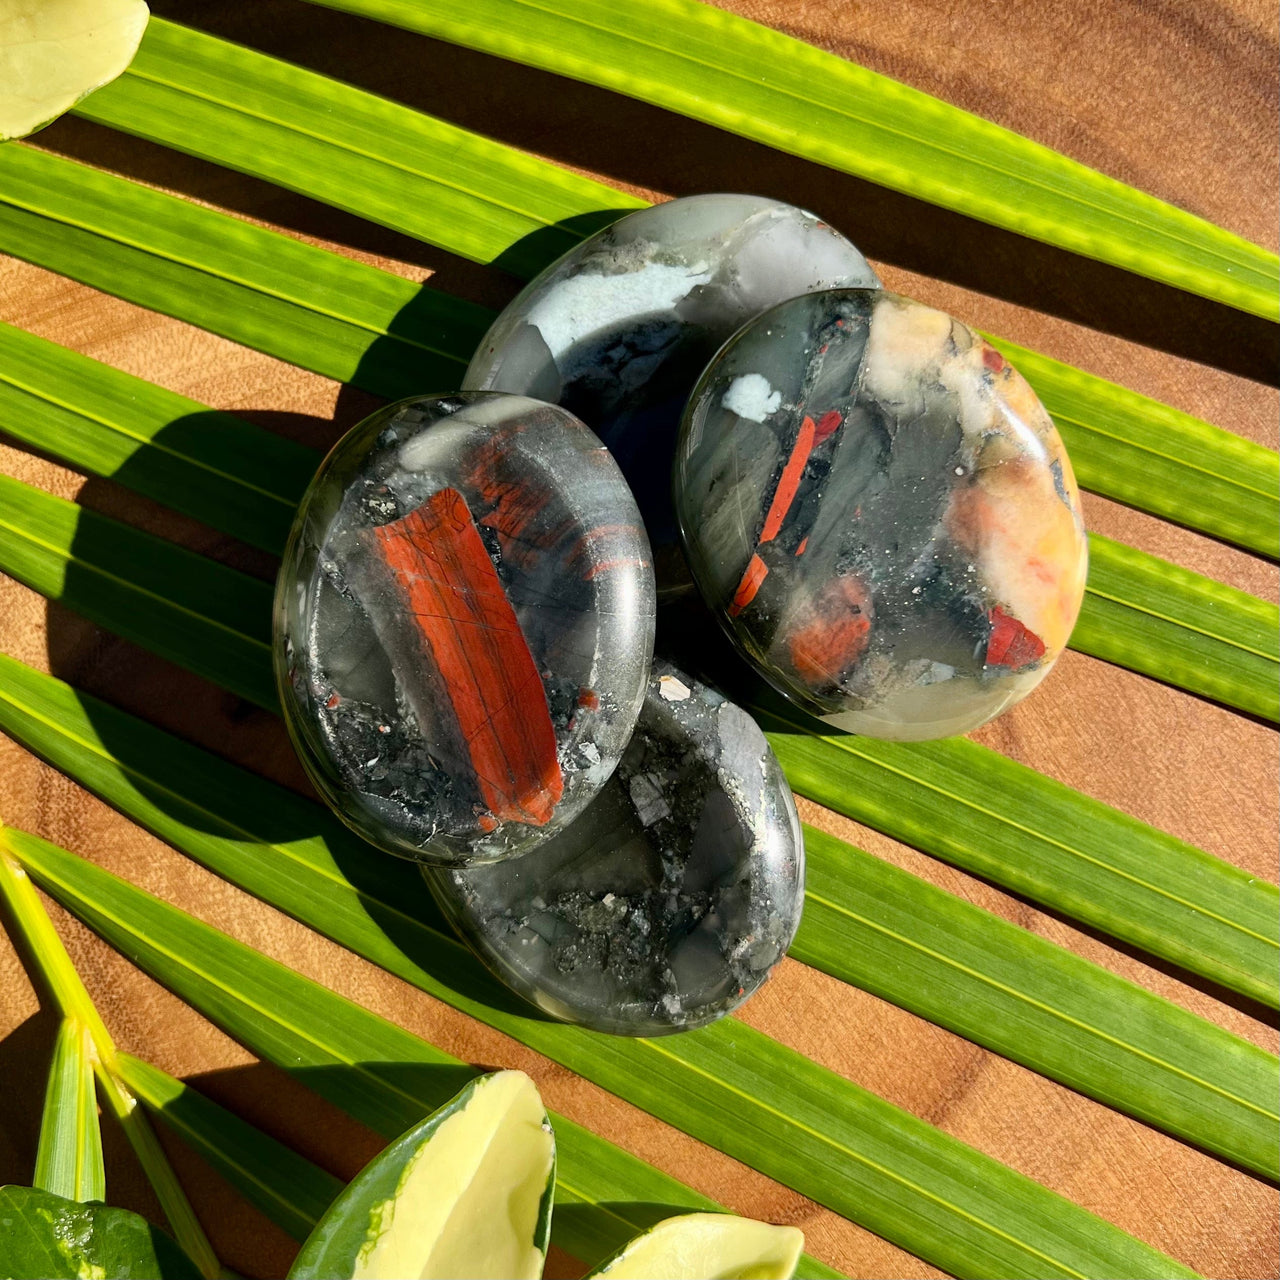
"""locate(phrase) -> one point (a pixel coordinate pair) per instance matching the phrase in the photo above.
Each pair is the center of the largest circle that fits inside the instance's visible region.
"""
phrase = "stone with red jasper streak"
(464, 625)
(881, 513)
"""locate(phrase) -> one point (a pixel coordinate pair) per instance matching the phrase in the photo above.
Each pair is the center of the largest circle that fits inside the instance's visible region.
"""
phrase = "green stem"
(77, 1007)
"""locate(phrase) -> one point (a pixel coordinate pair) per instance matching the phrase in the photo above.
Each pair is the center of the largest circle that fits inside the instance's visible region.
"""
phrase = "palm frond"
(1003, 987)
(937, 1197)
(1002, 820)
(748, 79)
(353, 322)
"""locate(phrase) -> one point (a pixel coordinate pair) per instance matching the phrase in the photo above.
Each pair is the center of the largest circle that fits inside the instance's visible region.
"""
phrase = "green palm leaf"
(1039, 838)
(1213, 639)
(866, 922)
(69, 1158)
(283, 1185)
(183, 606)
(1140, 611)
(916, 1186)
(213, 466)
(355, 150)
(748, 79)
(353, 322)
(1004, 821)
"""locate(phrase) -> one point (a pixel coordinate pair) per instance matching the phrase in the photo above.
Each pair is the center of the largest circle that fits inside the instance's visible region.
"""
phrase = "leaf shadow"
(25, 1055)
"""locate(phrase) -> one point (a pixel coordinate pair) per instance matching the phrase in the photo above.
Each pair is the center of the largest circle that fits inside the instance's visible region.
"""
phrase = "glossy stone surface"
(464, 625)
(882, 514)
(620, 328)
(669, 901)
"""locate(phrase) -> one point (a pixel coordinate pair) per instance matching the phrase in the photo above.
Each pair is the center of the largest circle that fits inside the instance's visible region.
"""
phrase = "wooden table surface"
(1173, 96)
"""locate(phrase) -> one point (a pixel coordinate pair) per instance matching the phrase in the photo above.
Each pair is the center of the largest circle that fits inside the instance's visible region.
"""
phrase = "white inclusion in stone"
(586, 304)
(672, 690)
(936, 672)
(751, 396)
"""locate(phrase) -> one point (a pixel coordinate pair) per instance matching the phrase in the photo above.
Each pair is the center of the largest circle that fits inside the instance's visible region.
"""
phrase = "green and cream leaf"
(695, 1245)
(467, 1192)
(54, 53)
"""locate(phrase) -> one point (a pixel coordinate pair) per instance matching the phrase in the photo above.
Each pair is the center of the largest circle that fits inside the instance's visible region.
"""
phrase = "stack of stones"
(712, 407)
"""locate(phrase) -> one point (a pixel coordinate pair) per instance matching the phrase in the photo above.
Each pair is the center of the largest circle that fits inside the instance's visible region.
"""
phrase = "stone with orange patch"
(893, 537)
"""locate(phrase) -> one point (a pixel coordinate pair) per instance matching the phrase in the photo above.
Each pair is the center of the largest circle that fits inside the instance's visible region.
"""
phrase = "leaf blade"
(728, 71)
(170, 590)
(285, 1186)
(1066, 1010)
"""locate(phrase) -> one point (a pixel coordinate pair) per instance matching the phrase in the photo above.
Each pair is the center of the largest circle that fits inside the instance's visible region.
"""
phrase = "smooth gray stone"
(619, 329)
(669, 901)
(464, 625)
(881, 514)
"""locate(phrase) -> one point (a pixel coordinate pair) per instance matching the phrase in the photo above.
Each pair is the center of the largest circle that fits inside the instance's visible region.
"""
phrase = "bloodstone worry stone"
(464, 625)
(667, 903)
(619, 329)
(881, 513)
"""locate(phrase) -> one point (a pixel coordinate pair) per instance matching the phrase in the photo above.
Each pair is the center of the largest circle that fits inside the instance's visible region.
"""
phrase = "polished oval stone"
(619, 329)
(464, 625)
(882, 514)
(667, 903)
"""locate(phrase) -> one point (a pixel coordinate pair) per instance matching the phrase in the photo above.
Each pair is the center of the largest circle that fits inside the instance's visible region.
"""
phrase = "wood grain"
(1175, 96)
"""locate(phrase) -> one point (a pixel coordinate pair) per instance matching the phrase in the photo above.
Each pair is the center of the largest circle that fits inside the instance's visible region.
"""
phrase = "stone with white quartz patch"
(619, 329)
(670, 899)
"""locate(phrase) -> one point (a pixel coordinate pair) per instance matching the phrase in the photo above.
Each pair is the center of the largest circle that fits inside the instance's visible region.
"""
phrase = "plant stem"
(78, 1008)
